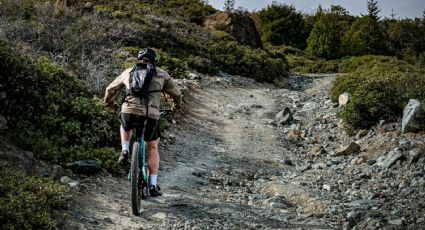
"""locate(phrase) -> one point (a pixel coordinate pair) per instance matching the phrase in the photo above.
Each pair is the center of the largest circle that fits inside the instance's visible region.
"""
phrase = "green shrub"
(364, 37)
(381, 88)
(302, 64)
(29, 202)
(177, 68)
(201, 64)
(367, 62)
(51, 112)
(283, 25)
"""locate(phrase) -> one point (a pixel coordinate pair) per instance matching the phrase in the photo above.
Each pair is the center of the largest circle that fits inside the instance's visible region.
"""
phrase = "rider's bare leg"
(125, 139)
(153, 159)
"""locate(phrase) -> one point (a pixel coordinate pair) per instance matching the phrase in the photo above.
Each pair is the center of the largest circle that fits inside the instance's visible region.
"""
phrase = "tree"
(339, 10)
(329, 27)
(364, 37)
(393, 14)
(324, 40)
(229, 5)
(283, 25)
(373, 10)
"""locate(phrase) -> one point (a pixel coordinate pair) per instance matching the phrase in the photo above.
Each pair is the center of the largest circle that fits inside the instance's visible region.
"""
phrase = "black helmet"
(147, 53)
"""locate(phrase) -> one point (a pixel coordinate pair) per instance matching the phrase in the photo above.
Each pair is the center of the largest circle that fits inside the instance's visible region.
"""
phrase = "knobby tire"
(135, 178)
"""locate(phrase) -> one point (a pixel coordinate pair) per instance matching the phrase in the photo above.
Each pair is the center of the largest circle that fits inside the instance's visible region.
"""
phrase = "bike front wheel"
(135, 179)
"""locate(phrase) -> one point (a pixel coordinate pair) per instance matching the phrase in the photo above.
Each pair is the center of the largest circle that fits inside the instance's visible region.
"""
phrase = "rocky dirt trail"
(229, 165)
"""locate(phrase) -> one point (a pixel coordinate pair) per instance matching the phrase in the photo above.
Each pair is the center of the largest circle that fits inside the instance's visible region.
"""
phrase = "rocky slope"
(229, 165)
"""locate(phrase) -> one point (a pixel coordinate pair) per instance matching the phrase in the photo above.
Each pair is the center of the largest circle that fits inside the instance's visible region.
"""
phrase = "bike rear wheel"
(135, 178)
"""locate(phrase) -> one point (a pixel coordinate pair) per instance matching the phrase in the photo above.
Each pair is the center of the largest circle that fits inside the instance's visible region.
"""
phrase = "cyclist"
(143, 110)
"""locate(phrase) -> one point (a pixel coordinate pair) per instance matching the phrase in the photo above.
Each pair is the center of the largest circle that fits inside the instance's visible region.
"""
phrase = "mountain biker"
(143, 110)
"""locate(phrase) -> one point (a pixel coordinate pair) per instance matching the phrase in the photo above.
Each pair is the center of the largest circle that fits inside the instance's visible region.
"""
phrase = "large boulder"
(353, 148)
(284, 116)
(239, 25)
(413, 117)
(87, 167)
(390, 159)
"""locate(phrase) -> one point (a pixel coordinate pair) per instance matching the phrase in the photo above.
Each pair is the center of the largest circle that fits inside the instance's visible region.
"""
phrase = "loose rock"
(284, 116)
(344, 98)
(353, 148)
(391, 158)
(413, 117)
(65, 180)
(89, 167)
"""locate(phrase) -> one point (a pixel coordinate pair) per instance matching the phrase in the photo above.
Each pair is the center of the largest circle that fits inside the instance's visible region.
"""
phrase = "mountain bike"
(139, 172)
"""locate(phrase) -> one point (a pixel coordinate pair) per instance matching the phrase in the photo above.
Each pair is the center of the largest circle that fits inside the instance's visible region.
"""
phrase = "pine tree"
(364, 37)
(393, 14)
(229, 5)
(373, 9)
(283, 25)
(324, 40)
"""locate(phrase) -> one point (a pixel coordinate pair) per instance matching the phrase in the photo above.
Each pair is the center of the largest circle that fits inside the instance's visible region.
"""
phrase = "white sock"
(152, 179)
(126, 145)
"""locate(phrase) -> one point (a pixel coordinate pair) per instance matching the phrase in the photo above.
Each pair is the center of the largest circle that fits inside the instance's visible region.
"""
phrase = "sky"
(402, 8)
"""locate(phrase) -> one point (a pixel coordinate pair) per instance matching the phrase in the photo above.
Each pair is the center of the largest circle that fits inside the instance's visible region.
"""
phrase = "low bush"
(363, 63)
(302, 64)
(52, 113)
(381, 88)
(29, 202)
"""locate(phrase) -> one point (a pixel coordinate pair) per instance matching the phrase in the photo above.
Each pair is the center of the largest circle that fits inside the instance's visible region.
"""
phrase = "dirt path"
(226, 166)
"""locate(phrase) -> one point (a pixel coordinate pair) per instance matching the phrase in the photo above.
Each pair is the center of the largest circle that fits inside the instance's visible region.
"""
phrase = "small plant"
(29, 202)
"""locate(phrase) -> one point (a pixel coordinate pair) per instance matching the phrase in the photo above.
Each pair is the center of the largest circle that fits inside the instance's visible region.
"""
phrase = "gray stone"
(353, 148)
(391, 158)
(397, 222)
(88, 6)
(279, 202)
(361, 134)
(88, 167)
(413, 117)
(193, 76)
(326, 187)
(310, 105)
(74, 184)
(319, 166)
(108, 220)
(288, 161)
(284, 116)
(303, 168)
(415, 155)
(353, 217)
(344, 98)
(65, 180)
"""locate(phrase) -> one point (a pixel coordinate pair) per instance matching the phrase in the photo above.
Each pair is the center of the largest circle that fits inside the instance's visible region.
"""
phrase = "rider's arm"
(113, 88)
(171, 89)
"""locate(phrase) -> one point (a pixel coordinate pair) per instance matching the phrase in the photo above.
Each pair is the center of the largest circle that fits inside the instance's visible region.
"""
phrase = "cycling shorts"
(131, 121)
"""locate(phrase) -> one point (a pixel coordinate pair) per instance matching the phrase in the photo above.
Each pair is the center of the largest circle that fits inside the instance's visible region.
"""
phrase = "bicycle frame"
(143, 163)
(142, 160)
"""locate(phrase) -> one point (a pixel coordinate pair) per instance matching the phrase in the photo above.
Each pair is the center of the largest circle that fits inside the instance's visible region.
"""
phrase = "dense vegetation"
(381, 87)
(96, 41)
(29, 202)
(337, 42)
(53, 113)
